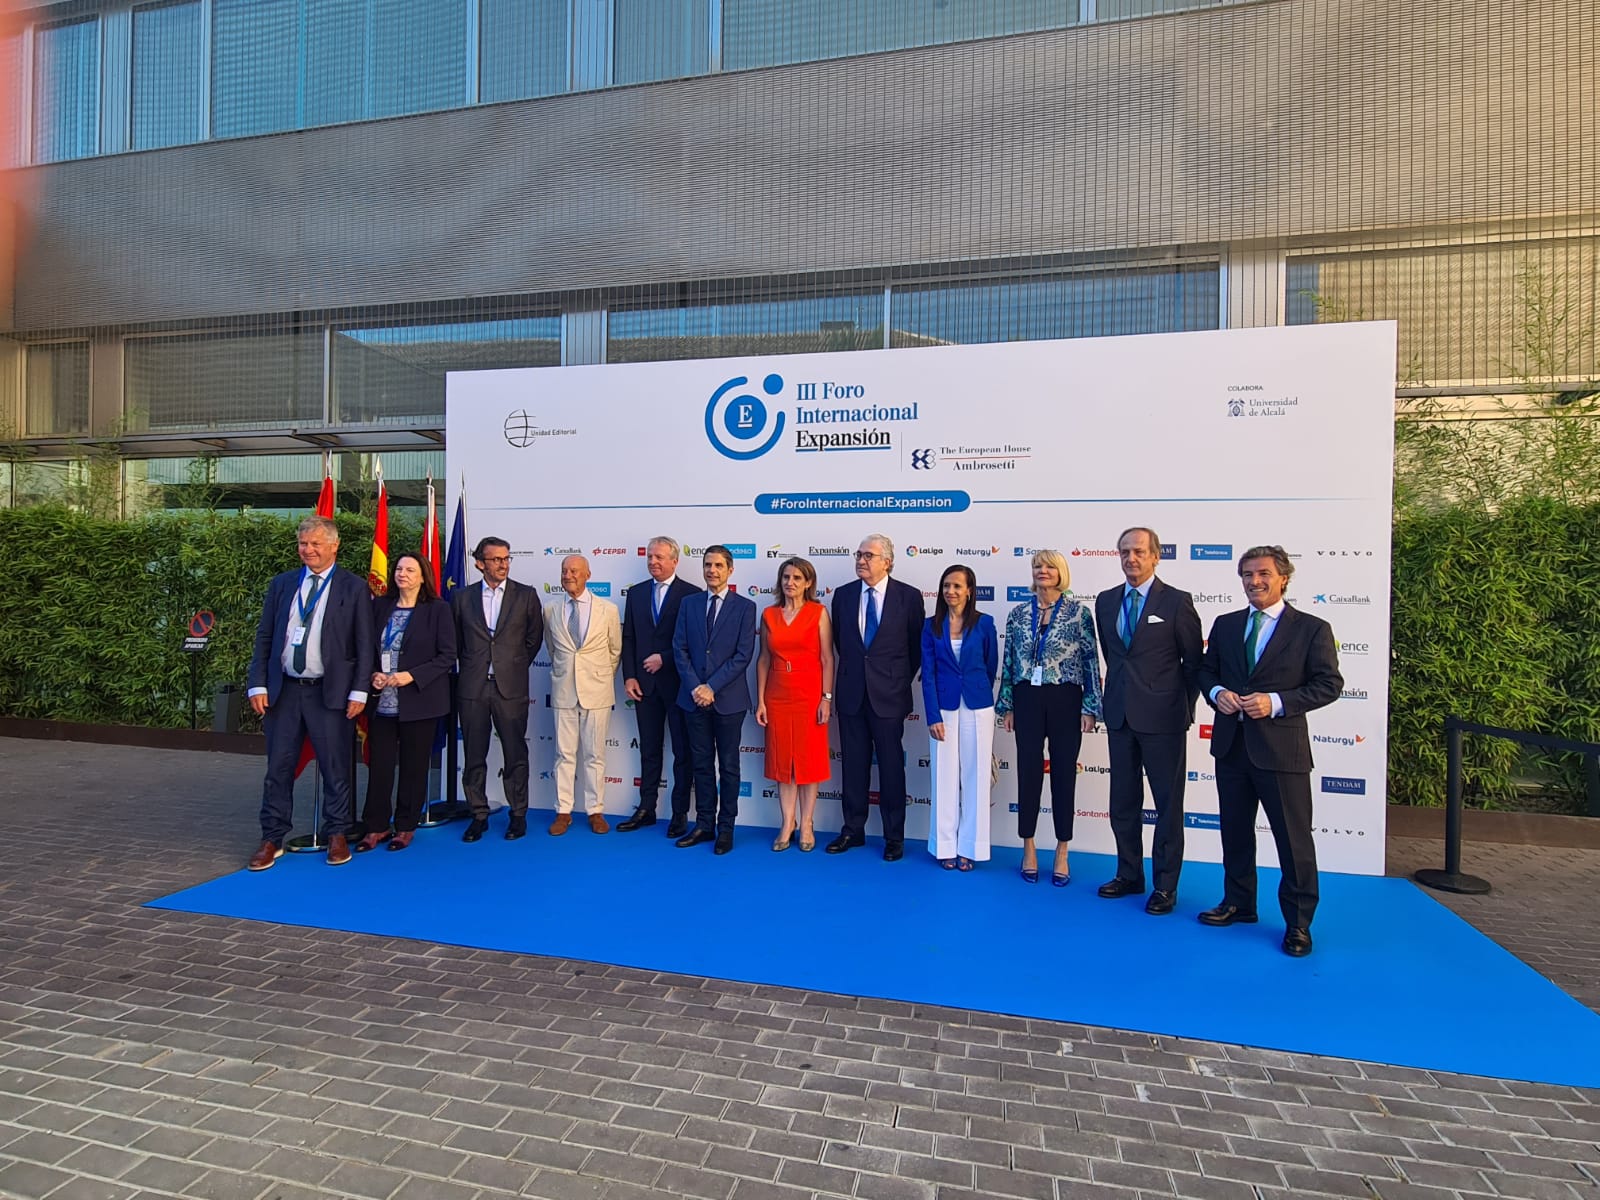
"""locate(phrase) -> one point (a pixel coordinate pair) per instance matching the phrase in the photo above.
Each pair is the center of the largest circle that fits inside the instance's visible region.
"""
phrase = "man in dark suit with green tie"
(1265, 667)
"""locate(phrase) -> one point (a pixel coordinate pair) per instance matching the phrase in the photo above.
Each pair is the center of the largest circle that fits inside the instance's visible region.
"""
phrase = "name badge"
(299, 636)
(391, 661)
(1038, 677)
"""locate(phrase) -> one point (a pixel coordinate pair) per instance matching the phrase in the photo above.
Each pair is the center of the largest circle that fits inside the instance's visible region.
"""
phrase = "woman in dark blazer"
(411, 687)
(960, 657)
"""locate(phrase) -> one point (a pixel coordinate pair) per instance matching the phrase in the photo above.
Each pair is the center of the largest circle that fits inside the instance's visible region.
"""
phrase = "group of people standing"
(322, 647)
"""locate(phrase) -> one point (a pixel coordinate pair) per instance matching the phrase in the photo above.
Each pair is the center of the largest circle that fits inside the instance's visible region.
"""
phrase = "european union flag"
(455, 558)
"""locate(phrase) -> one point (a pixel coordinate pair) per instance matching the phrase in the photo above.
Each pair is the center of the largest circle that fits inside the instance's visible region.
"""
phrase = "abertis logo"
(744, 418)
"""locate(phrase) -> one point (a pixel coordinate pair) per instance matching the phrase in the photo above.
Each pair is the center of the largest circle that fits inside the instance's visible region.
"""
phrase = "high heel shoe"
(781, 844)
(1061, 878)
(808, 841)
(1030, 874)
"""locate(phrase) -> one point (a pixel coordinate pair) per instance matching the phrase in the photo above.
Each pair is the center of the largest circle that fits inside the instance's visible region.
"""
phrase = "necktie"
(872, 617)
(657, 592)
(573, 627)
(1257, 619)
(308, 607)
(1130, 616)
(711, 615)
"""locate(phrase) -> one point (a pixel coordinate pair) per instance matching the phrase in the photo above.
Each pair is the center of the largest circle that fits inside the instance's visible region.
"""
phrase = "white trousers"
(961, 766)
(581, 757)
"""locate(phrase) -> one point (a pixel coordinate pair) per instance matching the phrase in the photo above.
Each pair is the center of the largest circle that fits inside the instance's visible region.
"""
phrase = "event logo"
(775, 550)
(522, 431)
(600, 587)
(1343, 786)
(744, 419)
(1015, 593)
(563, 550)
(1081, 552)
(1169, 552)
(736, 549)
(1205, 733)
(1210, 551)
(985, 593)
(1213, 597)
(1025, 551)
(1355, 647)
(1202, 821)
(913, 551)
(1344, 553)
(1201, 777)
(1353, 694)
(976, 551)
(829, 551)
(1341, 598)
(923, 460)
(600, 551)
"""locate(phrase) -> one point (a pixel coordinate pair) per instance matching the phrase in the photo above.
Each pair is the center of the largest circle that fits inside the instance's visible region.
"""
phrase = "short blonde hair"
(1056, 559)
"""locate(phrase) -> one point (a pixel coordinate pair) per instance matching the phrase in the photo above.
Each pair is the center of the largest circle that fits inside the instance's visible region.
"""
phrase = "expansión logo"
(744, 418)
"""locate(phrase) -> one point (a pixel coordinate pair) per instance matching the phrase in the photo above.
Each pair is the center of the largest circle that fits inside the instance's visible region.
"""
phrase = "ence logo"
(744, 419)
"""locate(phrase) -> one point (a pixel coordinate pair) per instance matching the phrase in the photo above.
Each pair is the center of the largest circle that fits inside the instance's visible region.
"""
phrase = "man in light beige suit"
(584, 636)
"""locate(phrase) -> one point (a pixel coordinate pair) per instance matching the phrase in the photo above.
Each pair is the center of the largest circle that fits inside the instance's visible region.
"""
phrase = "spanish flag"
(378, 571)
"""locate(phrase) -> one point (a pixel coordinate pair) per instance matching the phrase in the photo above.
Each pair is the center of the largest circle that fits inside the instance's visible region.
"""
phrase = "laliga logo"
(744, 418)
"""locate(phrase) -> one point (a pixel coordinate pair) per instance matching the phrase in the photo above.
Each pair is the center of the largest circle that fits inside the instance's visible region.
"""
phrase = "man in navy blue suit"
(650, 678)
(308, 678)
(877, 631)
(713, 644)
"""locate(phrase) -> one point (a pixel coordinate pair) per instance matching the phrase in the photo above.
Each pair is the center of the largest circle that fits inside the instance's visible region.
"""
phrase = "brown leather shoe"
(338, 850)
(263, 858)
(561, 824)
(597, 822)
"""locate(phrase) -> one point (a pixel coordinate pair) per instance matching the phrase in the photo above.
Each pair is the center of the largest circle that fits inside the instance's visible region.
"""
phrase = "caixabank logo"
(825, 415)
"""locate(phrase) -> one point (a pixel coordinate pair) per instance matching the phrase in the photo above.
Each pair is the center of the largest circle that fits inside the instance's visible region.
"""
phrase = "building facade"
(246, 231)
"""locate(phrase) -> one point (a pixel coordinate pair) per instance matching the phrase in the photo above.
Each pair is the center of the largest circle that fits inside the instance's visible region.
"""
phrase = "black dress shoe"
(1227, 914)
(697, 837)
(517, 827)
(677, 827)
(842, 843)
(724, 843)
(1160, 903)
(894, 852)
(475, 830)
(1120, 887)
(641, 817)
(1297, 943)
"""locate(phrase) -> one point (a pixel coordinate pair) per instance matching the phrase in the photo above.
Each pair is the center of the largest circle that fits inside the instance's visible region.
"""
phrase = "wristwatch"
(827, 696)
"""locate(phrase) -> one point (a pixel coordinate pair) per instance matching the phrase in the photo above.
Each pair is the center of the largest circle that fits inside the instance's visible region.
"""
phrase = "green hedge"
(1495, 614)
(94, 614)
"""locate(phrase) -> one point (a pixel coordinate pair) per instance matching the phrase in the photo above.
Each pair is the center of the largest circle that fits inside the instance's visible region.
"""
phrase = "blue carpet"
(1396, 977)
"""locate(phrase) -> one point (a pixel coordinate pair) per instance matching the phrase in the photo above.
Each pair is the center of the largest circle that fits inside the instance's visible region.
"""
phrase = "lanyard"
(307, 607)
(394, 630)
(1040, 631)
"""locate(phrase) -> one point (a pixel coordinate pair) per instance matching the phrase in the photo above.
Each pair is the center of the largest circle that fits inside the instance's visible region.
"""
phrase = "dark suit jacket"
(428, 651)
(347, 641)
(517, 637)
(724, 666)
(1300, 663)
(642, 636)
(1151, 685)
(948, 681)
(879, 676)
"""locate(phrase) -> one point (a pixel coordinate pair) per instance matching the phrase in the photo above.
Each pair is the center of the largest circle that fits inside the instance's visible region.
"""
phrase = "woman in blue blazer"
(960, 658)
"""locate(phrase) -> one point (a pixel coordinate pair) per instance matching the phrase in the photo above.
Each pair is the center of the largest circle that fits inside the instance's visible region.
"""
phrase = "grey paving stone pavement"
(156, 1054)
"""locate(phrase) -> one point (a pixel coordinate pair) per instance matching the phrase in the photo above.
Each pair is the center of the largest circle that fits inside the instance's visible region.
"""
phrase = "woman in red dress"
(794, 697)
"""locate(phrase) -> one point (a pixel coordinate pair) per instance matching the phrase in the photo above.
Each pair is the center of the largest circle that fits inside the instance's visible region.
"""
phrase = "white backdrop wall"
(977, 455)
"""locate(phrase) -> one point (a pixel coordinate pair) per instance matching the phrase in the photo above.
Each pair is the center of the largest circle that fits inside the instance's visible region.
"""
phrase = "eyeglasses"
(503, 558)
(867, 555)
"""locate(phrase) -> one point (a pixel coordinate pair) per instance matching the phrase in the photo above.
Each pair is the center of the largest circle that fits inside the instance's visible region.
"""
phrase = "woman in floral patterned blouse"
(1049, 693)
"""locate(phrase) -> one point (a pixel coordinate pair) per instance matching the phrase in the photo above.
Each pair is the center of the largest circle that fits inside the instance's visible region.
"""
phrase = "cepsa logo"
(602, 551)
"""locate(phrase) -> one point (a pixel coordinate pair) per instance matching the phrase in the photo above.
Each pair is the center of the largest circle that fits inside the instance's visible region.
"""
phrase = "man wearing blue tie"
(713, 645)
(650, 679)
(308, 678)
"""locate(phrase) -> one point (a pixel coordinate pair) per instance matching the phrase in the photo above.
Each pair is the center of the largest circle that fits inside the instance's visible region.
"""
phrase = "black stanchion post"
(1451, 879)
(1591, 779)
(449, 807)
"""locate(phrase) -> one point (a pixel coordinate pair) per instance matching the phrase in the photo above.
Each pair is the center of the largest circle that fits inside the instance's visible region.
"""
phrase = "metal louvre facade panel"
(1288, 119)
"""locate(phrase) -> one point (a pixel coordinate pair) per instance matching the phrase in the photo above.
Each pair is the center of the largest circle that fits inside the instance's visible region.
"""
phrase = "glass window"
(57, 388)
(255, 66)
(286, 484)
(66, 90)
(1088, 304)
(1512, 312)
(1116, 10)
(419, 56)
(334, 73)
(805, 325)
(397, 373)
(662, 39)
(762, 33)
(224, 380)
(11, 106)
(166, 75)
(522, 49)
